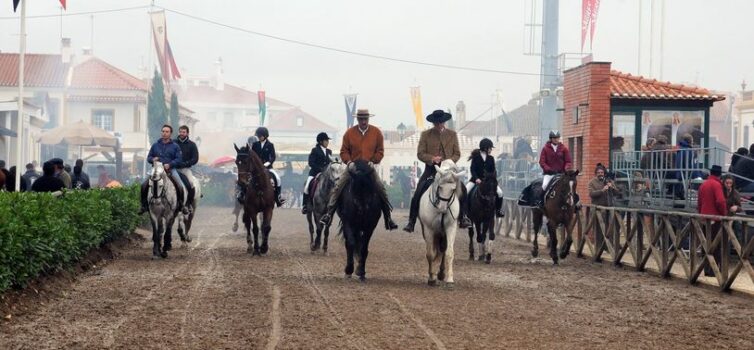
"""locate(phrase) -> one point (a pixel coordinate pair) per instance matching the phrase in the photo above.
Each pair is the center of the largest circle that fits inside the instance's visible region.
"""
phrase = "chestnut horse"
(259, 198)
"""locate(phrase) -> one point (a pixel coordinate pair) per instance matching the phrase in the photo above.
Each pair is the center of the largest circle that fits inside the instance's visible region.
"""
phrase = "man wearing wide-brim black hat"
(435, 145)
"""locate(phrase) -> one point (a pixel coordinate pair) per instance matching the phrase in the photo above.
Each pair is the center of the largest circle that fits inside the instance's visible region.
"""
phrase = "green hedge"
(40, 233)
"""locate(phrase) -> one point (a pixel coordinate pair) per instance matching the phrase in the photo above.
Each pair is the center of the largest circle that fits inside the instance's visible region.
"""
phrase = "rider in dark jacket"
(189, 158)
(319, 158)
(266, 151)
(482, 161)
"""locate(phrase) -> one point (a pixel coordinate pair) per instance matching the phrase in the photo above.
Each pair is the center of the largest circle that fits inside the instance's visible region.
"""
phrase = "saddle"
(529, 196)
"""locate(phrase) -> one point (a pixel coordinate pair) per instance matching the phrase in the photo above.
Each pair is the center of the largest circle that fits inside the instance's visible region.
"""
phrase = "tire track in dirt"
(333, 315)
(432, 336)
(274, 339)
(179, 271)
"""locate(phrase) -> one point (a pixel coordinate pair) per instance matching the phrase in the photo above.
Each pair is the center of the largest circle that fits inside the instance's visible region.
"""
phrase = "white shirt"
(363, 132)
(324, 150)
(554, 147)
(262, 143)
(484, 156)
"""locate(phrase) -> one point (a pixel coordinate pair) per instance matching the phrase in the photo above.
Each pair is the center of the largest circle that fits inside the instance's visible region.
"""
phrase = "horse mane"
(361, 177)
(475, 153)
(259, 173)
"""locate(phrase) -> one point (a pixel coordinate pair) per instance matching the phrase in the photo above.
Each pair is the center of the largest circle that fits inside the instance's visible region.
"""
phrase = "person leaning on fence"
(732, 197)
(711, 201)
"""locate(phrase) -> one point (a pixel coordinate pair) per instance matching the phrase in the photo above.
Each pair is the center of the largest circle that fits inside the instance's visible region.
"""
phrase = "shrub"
(40, 233)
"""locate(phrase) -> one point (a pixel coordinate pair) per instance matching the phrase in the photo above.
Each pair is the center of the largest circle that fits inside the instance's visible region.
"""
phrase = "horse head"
(157, 179)
(567, 186)
(445, 185)
(243, 163)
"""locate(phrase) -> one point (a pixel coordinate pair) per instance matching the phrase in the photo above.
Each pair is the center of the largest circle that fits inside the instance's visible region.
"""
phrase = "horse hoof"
(431, 283)
(441, 276)
(235, 227)
(481, 258)
(164, 255)
(563, 255)
(488, 259)
(256, 252)
(188, 239)
(167, 248)
(555, 262)
(534, 253)
(363, 279)
(471, 257)
(449, 285)
(156, 257)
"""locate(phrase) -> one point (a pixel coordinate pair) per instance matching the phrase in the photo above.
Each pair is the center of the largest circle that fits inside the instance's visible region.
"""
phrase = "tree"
(175, 120)
(157, 110)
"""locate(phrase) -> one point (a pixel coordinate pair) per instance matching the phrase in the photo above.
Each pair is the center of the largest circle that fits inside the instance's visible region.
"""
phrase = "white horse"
(185, 221)
(438, 209)
(163, 209)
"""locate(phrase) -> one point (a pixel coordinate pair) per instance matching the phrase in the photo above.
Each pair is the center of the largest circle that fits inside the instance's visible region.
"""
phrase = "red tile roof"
(106, 99)
(229, 95)
(287, 121)
(627, 86)
(95, 73)
(39, 70)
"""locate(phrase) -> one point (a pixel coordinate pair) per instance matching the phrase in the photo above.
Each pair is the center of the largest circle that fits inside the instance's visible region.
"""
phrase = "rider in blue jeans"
(169, 153)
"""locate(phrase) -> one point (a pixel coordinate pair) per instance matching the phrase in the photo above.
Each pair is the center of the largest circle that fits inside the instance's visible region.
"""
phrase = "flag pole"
(20, 116)
(149, 82)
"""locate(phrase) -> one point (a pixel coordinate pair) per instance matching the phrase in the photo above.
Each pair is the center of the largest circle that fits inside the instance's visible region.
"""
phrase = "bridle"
(435, 198)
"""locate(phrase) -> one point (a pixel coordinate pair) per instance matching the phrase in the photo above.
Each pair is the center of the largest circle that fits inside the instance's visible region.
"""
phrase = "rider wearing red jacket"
(554, 159)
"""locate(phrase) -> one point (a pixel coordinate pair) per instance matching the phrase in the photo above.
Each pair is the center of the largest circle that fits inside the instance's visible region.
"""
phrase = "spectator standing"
(105, 181)
(79, 180)
(711, 201)
(741, 151)
(61, 173)
(30, 175)
(48, 182)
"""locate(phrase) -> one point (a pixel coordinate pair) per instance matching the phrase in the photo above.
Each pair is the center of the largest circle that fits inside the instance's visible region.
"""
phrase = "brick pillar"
(587, 88)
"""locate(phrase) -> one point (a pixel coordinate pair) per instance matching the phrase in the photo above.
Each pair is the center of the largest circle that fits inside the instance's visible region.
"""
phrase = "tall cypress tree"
(157, 110)
(174, 118)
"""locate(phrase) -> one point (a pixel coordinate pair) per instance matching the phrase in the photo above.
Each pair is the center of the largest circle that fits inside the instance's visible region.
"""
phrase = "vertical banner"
(168, 67)
(350, 108)
(588, 20)
(416, 102)
(262, 107)
(593, 22)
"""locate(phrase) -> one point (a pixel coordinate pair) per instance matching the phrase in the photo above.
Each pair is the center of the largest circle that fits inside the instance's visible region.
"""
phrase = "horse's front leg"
(266, 228)
(255, 231)
(537, 219)
(481, 237)
(249, 240)
(312, 227)
(450, 254)
(471, 242)
(326, 229)
(566, 248)
(168, 238)
(552, 228)
(490, 228)
(350, 247)
(187, 226)
(156, 236)
(361, 271)
(429, 239)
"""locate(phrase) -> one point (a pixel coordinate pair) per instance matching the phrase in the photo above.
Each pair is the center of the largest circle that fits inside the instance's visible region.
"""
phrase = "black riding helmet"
(554, 134)
(322, 136)
(486, 144)
(262, 131)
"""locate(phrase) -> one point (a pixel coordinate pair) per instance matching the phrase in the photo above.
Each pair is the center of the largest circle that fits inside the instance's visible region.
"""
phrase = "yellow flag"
(416, 102)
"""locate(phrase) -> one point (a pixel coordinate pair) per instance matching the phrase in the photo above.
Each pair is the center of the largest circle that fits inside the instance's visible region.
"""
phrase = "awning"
(7, 132)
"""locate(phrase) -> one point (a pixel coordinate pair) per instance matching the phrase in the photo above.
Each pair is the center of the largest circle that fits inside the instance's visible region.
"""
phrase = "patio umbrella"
(78, 134)
(222, 161)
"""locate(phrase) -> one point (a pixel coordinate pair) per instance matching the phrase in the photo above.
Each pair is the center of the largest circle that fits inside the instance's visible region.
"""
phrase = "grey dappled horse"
(163, 209)
(325, 182)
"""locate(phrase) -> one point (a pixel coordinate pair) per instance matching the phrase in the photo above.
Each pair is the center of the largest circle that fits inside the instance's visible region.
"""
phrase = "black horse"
(481, 212)
(359, 209)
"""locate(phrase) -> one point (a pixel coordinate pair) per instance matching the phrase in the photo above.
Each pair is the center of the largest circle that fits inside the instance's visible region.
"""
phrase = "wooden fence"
(668, 242)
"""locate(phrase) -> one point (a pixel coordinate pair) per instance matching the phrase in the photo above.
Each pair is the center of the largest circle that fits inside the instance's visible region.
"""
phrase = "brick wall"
(587, 88)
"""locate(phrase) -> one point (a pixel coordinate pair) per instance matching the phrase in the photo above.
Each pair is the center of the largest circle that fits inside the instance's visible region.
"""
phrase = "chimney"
(219, 80)
(65, 50)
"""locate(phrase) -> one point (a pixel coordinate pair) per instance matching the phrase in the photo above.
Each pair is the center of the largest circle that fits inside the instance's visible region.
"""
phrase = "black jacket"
(47, 184)
(479, 166)
(318, 160)
(80, 181)
(744, 168)
(266, 153)
(189, 153)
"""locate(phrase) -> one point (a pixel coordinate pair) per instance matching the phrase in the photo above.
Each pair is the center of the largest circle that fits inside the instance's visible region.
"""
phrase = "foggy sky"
(707, 43)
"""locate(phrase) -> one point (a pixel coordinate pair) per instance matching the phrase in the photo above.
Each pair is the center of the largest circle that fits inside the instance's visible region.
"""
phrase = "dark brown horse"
(559, 208)
(259, 198)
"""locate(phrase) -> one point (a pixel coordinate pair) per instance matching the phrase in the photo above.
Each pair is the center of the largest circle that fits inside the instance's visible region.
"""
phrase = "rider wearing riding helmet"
(266, 152)
(482, 162)
(554, 159)
(319, 158)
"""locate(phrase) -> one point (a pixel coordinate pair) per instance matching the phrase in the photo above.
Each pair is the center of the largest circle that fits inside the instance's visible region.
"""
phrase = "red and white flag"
(589, 10)
(164, 53)
(15, 4)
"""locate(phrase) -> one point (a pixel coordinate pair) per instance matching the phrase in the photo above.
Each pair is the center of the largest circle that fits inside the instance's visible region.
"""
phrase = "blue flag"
(350, 108)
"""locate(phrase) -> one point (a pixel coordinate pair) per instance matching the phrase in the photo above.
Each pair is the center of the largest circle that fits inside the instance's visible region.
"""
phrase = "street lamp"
(401, 131)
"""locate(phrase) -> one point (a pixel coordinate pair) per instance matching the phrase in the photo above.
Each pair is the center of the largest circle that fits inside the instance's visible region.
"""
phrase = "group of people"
(55, 176)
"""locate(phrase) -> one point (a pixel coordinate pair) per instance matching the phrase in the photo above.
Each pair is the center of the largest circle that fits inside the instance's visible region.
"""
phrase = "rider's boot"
(389, 223)
(499, 207)
(463, 220)
(412, 214)
(144, 202)
(190, 198)
(327, 218)
(305, 204)
(278, 198)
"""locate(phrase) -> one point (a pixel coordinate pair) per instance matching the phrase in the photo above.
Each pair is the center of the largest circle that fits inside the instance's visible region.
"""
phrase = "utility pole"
(549, 78)
(20, 117)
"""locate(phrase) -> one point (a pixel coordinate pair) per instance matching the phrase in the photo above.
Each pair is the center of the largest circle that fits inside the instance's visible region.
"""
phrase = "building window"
(103, 118)
(579, 152)
(623, 133)
(228, 122)
(673, 125)
(299, 121)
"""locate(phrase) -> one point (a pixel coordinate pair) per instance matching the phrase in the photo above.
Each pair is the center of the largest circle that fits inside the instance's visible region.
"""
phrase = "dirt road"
(214, 295)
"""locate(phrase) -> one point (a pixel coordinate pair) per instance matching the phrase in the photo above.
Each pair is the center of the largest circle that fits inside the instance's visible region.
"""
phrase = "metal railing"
(516, 174)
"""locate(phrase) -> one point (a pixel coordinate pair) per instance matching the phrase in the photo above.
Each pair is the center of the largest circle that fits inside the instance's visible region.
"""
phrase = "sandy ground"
(213, 295)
